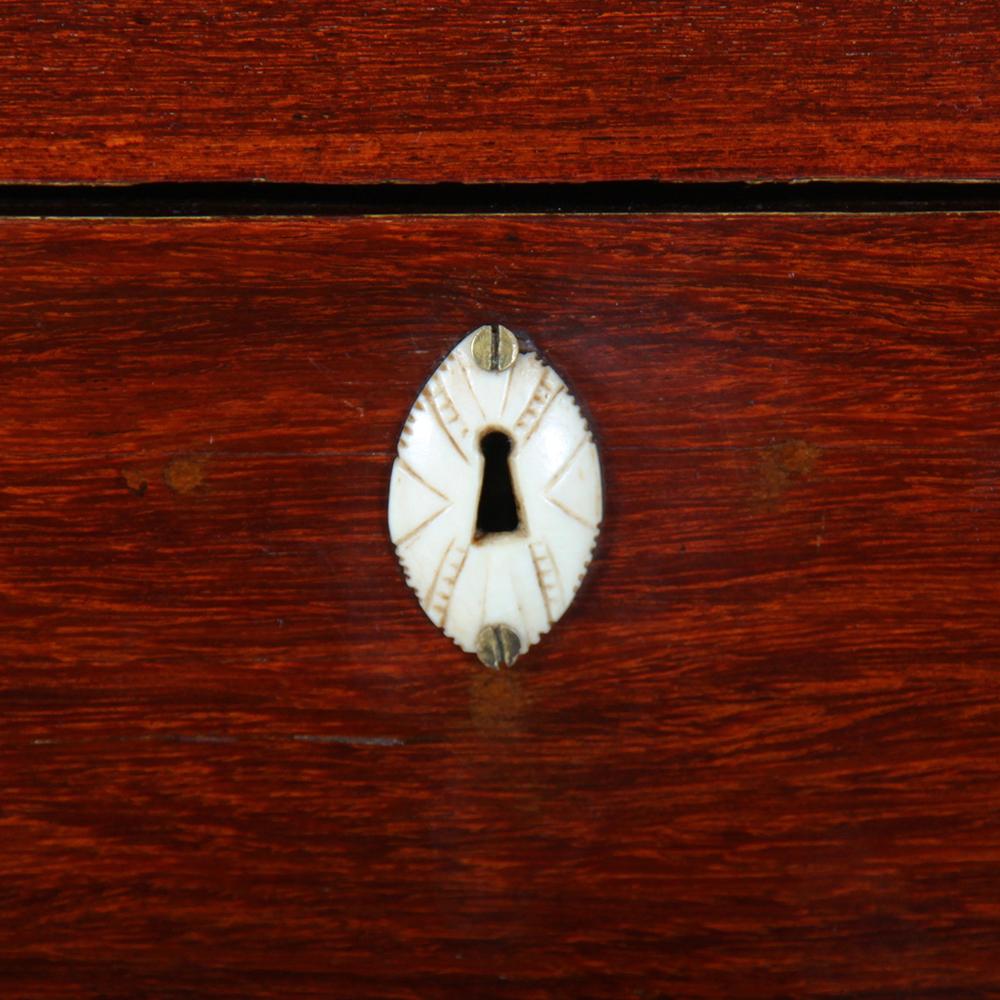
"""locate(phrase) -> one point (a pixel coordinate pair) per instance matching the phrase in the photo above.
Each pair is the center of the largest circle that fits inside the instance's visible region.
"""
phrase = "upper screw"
(494, 348)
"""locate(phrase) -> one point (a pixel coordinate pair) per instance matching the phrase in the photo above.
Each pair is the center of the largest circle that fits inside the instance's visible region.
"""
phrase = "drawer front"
(757, 756)
(498, 90)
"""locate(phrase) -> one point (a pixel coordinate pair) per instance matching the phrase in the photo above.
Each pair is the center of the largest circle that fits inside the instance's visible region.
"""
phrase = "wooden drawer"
(758, 757)
(563, 90)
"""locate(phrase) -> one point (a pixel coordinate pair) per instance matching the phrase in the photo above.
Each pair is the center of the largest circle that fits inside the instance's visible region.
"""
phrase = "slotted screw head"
(497, 645)
(494, 348)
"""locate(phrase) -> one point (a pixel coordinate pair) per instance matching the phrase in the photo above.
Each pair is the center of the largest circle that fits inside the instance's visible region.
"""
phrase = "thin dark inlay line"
(263, 199)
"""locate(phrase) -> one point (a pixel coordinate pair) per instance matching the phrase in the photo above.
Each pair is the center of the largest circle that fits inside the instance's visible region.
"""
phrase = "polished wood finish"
(498, 91)
(758, 757)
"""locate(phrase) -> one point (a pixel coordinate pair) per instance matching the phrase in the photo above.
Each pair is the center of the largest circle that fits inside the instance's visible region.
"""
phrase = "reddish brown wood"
(758, 758)
(499, 90)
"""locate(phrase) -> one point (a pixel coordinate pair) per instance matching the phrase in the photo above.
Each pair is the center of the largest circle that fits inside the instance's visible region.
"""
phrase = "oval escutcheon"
(495, 500)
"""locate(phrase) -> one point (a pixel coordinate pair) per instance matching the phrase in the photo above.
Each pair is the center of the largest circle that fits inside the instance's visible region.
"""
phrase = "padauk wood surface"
(759, 756)
(564, 90)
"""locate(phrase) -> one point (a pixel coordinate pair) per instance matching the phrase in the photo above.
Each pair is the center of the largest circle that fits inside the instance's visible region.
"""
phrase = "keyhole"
(497, 512)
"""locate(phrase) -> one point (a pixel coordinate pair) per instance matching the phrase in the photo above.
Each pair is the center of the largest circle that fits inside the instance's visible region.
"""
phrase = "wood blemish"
(781, 464)
(185, 474)
(497, 701)
(135, 480)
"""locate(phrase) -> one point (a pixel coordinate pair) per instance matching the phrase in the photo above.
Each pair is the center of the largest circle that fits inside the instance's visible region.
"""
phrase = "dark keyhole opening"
(497, 504)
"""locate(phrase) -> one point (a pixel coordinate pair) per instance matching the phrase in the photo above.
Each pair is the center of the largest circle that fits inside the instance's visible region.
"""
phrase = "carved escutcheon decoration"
(495, 500)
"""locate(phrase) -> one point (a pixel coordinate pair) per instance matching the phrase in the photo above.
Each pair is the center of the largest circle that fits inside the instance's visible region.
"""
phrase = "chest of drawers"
(759, 755)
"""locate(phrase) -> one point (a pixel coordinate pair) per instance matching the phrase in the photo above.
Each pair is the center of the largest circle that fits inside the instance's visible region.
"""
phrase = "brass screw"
(497, 645)
(494, 348)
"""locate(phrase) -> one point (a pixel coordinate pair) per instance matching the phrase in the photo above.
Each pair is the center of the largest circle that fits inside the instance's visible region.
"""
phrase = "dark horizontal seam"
(265, 199)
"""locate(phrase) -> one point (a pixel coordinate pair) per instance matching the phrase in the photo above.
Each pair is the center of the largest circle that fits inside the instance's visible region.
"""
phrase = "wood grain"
(565, 90)
(760, 755)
